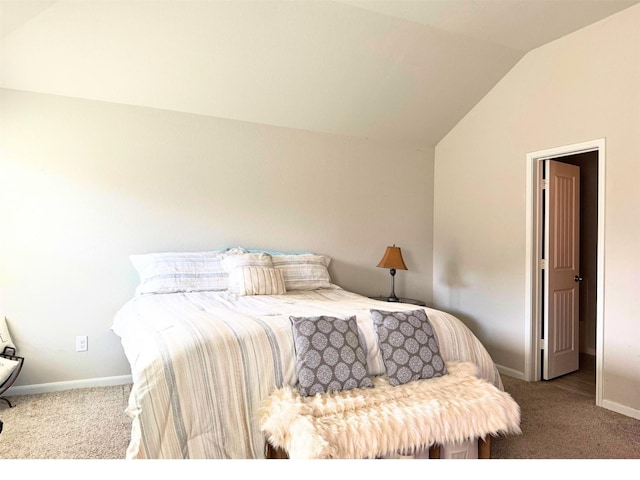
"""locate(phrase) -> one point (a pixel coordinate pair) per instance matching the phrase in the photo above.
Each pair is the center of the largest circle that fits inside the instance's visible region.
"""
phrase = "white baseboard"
(510, 372)
(69, 385)
(622, 409)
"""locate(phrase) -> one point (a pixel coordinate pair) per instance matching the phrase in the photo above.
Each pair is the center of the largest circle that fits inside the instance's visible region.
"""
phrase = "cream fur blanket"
(370, 422)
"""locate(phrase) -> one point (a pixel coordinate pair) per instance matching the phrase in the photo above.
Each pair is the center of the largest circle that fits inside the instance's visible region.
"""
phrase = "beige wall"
(580, 88)
(83, 184)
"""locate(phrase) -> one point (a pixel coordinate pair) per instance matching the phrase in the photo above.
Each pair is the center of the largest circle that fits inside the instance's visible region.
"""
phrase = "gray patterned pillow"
(409, 346)
(329, 356)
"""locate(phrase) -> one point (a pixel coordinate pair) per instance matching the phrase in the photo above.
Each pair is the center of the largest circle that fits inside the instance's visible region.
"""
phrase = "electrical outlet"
(82, 344)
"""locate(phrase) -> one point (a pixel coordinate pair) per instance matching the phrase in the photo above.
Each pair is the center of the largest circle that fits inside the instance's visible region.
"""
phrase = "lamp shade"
(393, 259)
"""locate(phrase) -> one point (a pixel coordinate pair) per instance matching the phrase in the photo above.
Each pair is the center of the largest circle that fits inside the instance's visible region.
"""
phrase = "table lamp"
(393, 259)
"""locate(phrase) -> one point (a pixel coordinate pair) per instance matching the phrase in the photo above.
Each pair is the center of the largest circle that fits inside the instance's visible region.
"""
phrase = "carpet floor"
(91, 424)
(559, 424)
(73, 424)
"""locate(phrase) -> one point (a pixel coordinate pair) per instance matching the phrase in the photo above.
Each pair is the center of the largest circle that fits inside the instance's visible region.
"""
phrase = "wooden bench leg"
(484, 447)
(434, 452)
(274, 453)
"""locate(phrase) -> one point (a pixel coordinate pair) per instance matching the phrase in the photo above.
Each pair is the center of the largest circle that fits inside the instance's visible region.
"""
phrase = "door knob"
(577, 278)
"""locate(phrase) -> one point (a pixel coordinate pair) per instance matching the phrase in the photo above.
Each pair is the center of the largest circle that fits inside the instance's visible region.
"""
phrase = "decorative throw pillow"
(5, 337)
(7, 366)
(170, 272)
(306, 271)
(409, 346)
(256, 281)
(329, 356)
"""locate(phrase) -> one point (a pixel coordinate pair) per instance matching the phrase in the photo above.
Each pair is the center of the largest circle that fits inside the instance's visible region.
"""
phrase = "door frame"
(533, 286)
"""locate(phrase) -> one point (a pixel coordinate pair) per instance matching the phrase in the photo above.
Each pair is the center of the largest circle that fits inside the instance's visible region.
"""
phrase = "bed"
(208, 336)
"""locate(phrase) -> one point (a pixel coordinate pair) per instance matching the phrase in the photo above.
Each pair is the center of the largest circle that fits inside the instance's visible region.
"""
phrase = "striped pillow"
(171, 272)
(306, 271)
(256, 281)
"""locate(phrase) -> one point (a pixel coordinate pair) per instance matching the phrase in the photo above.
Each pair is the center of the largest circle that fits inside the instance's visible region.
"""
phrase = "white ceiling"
(398, 71)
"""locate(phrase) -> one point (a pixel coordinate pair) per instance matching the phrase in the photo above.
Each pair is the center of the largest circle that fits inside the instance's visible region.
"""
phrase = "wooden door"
(562, 269)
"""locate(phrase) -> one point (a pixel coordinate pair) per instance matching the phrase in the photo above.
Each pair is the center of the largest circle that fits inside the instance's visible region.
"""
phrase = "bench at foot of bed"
(381, 422)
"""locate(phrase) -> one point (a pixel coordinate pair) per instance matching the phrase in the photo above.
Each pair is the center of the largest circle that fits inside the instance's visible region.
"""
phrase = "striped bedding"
(202, 362)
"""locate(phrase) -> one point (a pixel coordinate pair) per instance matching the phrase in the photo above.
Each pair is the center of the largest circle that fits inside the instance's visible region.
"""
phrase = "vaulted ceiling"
(398, 71)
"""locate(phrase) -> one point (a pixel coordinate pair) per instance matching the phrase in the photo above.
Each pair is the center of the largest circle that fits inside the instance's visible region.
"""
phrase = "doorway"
(590, 157)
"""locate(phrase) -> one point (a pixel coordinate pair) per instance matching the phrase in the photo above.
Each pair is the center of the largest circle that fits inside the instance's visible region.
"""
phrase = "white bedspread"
(203, 362)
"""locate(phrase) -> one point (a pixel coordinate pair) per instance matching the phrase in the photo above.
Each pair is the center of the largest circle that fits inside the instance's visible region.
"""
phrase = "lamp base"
(392, 296)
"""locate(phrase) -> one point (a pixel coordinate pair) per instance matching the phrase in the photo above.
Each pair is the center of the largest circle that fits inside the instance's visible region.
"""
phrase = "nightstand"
(412, 301)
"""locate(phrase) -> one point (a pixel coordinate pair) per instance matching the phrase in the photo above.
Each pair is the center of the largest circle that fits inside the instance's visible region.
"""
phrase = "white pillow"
(231, 262)
(5, 337)
(7, 366)
(171, 272)
(257, 281)
(305, 271)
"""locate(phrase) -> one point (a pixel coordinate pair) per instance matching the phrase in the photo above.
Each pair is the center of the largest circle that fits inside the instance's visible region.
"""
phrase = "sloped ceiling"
(398, 71)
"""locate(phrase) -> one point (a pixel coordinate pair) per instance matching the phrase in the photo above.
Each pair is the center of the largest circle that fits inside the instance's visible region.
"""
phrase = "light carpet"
(91, 424)
(73, 424)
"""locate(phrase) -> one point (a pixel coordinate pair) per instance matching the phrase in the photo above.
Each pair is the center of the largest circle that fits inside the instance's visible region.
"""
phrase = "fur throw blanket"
(370, 422)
